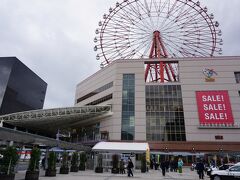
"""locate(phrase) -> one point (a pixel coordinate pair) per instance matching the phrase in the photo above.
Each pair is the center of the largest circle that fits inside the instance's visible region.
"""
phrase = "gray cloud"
(55, 38)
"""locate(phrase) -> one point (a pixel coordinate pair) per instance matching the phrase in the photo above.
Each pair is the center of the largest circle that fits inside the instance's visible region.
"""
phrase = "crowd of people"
(176, 166)
(129, 167)
(166, 165)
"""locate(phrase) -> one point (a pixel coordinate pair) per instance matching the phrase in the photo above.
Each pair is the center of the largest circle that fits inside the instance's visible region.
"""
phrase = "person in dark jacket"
(163, 167)
(167, 165)
(43, 163)
(200, 169)
(171, 165)
(151, 164)
(175, 165)
(129, 167)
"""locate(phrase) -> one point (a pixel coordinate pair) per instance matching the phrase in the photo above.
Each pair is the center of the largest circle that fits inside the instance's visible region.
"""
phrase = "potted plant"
(8, 163)
(32, 172)
(99, 168)
(83, 159)
(64, 169)
(143, 163)
(115, 160)
(51, 169)
(74, 162)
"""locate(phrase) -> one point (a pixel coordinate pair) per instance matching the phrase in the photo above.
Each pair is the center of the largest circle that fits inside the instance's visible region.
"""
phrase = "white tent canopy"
(121, 147)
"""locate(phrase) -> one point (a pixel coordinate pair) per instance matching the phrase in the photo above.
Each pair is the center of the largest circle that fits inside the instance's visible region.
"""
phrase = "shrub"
(34, 160)
(83, 159)
(143, 163)
(74, 161)
(115, 160)
(99, 163)
(64, 160)
(52, 161)
(99, 168)
(9, 160)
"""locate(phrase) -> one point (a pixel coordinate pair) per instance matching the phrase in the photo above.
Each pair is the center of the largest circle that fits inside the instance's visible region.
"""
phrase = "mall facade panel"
(20, 88)
(200, 109)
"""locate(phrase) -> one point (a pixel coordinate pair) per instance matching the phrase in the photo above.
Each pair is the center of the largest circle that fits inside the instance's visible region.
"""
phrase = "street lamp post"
(166, 151)
(193, 152)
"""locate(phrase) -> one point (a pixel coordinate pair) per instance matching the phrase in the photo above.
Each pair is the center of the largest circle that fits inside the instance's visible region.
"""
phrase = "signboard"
(214, 107)
(209, 73)
(147, 155)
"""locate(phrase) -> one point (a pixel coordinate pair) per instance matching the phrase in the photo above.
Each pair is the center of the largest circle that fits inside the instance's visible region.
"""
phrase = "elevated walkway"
(50, 120)
(24, 138)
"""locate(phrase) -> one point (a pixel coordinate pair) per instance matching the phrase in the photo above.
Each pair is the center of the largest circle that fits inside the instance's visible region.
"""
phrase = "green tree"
(83, 159)
(52, 161)
(9, 160)
(34, 160)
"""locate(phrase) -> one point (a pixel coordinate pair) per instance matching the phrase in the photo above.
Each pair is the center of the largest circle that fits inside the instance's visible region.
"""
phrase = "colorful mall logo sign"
(214, 107)
(209, 73)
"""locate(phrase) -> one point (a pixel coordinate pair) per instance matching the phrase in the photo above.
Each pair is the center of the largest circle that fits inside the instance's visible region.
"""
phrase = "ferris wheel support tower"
(159, 51)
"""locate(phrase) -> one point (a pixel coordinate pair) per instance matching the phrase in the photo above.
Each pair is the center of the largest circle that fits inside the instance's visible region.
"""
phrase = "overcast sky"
(54, 38)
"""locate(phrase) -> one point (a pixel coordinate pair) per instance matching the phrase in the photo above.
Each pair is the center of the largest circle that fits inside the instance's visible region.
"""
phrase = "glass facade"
(5, 71)
(87, 133)
(128, 107)
(164, 113)
(20, 88)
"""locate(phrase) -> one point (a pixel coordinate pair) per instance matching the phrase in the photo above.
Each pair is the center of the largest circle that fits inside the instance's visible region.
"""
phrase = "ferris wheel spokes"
(185, 30)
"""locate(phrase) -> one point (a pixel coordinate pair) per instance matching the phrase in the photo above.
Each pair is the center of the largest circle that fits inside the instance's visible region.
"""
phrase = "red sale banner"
(214, 107)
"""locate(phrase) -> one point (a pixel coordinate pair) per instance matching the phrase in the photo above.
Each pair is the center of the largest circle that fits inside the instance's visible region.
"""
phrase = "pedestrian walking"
(43, 163)
(163, 167)
(129, 167)
(167, 165)
(180, 165)
(151, 164)
(122, 167)
(200, 169)
(171, 165)
(175, 165)
(155, 164)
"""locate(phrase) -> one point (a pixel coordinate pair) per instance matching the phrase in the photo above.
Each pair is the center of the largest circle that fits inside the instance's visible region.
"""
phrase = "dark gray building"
(20, 88)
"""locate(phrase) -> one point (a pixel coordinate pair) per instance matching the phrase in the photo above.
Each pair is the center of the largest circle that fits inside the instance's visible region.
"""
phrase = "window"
(237, 77)
(101, 89)
(219, 137)
(235, 168)
(101, 100)
(128, 107)
(164, 113)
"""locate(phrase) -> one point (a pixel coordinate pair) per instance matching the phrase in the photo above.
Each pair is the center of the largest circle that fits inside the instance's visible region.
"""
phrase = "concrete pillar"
(1, 123)
(11, 143)
(46, 157)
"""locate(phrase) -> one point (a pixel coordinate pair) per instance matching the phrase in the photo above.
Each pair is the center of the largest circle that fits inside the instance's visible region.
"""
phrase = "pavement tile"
(91, 175)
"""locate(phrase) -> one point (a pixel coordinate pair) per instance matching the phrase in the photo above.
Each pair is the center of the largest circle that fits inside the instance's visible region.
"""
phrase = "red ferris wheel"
(157, 29)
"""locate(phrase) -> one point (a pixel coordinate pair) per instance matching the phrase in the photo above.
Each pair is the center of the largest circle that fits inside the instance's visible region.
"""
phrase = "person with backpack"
(129, 167)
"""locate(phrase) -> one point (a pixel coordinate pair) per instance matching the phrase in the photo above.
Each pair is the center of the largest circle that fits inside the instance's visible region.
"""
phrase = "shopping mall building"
(199, 112)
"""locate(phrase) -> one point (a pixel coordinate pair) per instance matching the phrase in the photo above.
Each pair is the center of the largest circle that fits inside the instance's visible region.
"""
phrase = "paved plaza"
(91, 175)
